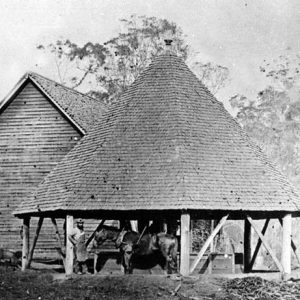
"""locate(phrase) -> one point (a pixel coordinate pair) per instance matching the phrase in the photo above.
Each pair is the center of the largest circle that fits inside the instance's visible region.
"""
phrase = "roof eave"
(14, 91)
(20, 84)
(19, 213)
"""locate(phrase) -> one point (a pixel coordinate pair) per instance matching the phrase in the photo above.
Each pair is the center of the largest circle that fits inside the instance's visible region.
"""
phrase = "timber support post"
(69, 245)
(293, 245)
(286, 245)
(185, 244)
(247, 246)
(25, 246)
(37, 232)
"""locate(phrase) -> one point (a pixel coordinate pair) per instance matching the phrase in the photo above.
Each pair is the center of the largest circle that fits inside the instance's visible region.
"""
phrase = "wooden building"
(40, 121)
(168, 150)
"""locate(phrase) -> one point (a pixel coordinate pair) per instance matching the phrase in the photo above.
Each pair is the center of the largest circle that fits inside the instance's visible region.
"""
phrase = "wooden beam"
(286, 243)
(293, 246)
(141, 223)
(35, 238)
(247, 246)
(141, 235)
(58, 237)
(265, 243)
(25, 246)
(164, 226)
(69, 245)
(123, 225)
(133, 224)
(212, 248)
(185, 222)
(60, 244)
(65, 232)
(259, 242)
(207, 243)
(212, 244)
(93, 234)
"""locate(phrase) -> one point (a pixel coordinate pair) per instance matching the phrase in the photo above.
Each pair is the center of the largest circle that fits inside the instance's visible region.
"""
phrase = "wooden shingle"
(79, 108)
(167, 144)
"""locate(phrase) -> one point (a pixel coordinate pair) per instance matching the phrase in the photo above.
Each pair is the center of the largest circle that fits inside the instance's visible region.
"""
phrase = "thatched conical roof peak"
(167, 144)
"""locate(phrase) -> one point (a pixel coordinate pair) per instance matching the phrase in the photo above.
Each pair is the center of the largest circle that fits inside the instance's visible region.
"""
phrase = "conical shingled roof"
(167, 144)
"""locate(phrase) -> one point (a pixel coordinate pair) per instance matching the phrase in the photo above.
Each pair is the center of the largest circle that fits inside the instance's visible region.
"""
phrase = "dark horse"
(149, 250)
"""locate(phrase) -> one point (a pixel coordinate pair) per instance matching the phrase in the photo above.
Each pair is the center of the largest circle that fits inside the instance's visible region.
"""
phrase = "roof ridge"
(58, 105)
(31, 73)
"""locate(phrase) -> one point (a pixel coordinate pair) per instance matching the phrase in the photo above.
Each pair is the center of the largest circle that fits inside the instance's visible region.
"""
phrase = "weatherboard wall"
(34, 137)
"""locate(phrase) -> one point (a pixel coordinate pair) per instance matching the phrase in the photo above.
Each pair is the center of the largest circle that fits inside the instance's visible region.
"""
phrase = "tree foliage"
(273, 118)
(110, 68)
(132, 51)
(79, 61)
(284, 71)
(212, 75)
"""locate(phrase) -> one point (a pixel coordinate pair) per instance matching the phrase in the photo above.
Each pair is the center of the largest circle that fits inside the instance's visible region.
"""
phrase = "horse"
(135, 250)
(159, 247)
(106, 233)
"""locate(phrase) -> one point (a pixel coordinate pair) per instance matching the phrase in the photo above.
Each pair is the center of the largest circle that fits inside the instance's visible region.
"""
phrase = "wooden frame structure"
(186, 268)
(169, 150)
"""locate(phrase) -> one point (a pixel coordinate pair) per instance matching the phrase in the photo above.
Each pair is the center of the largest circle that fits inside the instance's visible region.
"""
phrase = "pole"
(286, 244)
(185, 244)
(25, 247)
(69, 245)
(247, 246)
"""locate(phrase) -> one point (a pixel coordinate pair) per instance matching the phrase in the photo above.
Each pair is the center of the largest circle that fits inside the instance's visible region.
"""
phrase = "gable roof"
(81, 110)
(167, 144)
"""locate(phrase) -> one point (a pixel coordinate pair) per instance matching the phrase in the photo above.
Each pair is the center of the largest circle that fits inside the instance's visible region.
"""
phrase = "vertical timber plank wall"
(34, 137)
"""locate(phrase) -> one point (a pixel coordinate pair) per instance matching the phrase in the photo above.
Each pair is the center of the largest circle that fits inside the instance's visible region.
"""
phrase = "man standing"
(77, 237)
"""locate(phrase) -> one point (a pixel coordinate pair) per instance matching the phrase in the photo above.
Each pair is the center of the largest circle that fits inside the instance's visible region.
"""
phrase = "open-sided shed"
(168, 150)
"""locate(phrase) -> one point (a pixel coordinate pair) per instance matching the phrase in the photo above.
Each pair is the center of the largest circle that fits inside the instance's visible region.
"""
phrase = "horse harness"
(122, 234)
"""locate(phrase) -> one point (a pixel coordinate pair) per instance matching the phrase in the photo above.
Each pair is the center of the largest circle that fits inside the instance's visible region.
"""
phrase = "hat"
(79, 221)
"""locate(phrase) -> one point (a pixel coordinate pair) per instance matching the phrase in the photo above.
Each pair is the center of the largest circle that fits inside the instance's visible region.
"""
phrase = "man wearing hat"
(77, 237)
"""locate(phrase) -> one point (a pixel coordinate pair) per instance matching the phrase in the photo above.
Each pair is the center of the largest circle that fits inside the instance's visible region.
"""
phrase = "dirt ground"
(45, 284)
(48, 284)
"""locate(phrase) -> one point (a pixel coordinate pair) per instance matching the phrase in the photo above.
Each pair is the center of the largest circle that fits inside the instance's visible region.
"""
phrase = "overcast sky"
(238, 34)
